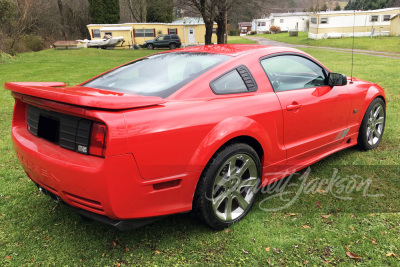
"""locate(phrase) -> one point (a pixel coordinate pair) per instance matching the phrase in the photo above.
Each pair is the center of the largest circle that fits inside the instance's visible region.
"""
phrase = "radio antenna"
(352, 49)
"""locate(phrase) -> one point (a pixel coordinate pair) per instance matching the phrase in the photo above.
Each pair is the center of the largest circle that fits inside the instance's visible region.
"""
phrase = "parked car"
(199, 129)
(170, 41)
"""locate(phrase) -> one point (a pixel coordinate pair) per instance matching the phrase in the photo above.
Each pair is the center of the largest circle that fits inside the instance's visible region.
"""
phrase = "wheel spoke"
(376, 113)
(370, 136)
(240, 171)
(220, 181)
(380, 120)
(377, 133)
(231, 166)
(219, 199)
(251, 182)
(240, 199)
(228, 209)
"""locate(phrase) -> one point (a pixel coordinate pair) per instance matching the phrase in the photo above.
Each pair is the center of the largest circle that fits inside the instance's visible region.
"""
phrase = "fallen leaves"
(267, 249)
(245, 251)
(318, 204)
(290, 215)
(277, 250)
(353, 255)
(326, 216)
(8, 257)
(388, 255)
(228, 230)
(305, 226)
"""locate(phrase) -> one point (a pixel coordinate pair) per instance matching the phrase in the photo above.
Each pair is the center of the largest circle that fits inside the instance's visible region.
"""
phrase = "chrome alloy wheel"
(234, 187)
(375, 124)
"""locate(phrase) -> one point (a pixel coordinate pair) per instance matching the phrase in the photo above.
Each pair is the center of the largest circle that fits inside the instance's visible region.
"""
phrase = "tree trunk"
(208, 36)
(61, 9)
(221, 29)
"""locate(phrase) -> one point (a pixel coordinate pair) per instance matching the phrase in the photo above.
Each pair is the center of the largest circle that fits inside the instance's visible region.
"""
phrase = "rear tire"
(228, 186)
(372, 125)
(172, 46)
(150, 46)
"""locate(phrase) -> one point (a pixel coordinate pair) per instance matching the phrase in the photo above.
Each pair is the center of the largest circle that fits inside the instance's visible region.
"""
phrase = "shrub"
(33, 42)
(275, 29)
(233, 32)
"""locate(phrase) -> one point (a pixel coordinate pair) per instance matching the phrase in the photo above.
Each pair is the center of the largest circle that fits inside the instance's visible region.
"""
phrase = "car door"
(167, 40)
(315, 115)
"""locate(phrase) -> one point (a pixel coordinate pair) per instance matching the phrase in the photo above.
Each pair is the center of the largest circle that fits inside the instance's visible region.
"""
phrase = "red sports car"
(198, 129)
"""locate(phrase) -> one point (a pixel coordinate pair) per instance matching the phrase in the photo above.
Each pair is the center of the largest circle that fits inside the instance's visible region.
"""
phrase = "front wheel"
(228, 186)
(150, 46)
(372, 125)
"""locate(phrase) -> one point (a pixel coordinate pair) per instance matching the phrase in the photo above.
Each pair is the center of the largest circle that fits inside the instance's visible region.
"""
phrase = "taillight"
(98, 139)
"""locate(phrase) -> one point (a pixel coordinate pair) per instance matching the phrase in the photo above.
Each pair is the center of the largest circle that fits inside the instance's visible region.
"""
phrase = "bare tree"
(136, 9)
(207, 9)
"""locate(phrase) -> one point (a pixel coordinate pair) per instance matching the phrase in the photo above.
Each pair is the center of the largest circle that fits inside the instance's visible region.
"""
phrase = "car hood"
(83, 96)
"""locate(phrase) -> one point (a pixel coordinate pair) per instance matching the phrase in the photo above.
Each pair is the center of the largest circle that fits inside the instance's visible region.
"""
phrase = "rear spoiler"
(83, 96)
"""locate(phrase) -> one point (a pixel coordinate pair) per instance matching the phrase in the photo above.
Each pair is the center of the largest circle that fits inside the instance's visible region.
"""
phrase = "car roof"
(238, 49)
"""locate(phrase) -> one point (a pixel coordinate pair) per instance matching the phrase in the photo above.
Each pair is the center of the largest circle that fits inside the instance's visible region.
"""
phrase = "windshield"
(158, 75)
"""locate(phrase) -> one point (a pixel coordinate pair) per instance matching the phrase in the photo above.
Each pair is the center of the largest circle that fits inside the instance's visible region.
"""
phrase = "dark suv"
(169, 40)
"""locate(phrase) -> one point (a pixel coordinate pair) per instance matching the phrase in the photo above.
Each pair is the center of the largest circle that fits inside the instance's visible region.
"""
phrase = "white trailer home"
(337, 24)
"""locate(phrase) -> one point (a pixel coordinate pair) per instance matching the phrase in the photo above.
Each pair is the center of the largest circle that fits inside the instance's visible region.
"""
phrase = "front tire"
(372, 125)
(150, 46)
(172, 46)
(228, 186)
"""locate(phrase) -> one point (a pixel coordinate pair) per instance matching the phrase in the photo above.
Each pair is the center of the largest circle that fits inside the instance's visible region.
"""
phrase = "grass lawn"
(385, 44)
(319, 227)
(239, 40)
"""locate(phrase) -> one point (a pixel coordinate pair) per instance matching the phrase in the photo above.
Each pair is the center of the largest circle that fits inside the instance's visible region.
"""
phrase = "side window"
(290, 72)
(238, 80)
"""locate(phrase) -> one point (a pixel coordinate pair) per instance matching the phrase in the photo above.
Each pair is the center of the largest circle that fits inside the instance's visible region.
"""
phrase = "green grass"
(384, 44)
(239, 40)
(36, 231)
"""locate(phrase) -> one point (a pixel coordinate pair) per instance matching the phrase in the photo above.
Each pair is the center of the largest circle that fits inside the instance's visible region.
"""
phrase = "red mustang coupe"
(199, 129)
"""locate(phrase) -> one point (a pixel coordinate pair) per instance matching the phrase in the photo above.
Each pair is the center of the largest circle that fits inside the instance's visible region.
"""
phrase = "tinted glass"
(167, 37)
(157, 75)
(230, 83)
(293, 72)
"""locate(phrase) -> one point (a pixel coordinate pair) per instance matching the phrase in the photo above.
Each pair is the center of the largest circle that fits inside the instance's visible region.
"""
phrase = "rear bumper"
(111, 187)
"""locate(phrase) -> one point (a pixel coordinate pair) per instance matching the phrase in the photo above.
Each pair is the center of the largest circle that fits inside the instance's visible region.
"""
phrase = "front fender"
(223, 132)
(373, 92)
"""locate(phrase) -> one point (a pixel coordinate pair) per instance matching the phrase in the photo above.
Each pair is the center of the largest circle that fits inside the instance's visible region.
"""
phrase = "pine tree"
(104, 11)
(96, 11)
(111, 11)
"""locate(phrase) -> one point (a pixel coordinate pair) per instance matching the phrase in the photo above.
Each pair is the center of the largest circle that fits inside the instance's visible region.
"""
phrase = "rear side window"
(238, 80)
(157, 75)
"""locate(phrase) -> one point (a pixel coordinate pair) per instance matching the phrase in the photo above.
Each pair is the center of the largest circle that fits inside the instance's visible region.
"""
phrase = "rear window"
(158, 75)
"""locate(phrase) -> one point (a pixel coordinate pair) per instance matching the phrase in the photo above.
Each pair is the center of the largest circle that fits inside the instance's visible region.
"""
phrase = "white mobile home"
(291, 21)
(337, 24)
(261, 25)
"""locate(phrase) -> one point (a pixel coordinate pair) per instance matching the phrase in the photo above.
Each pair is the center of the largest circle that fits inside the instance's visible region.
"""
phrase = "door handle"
(293, 106)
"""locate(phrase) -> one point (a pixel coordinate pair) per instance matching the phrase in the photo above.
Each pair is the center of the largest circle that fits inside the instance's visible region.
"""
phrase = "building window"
(313, 20)
(263, 23)
(172, 31)
(281, 21)
(386, 17)
(108, 33)
(324, 21)
(374, 18)
(144, 32)
(96, 34)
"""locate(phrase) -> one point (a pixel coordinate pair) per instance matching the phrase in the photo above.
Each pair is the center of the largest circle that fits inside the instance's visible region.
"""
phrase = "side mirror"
(337, 79)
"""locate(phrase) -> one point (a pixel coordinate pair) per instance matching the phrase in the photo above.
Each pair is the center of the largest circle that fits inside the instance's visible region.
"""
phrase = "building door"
(191, 36)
